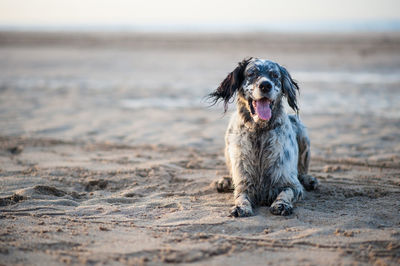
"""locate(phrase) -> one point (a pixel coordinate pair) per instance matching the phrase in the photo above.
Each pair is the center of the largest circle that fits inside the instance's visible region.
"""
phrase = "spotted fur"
(267, 159)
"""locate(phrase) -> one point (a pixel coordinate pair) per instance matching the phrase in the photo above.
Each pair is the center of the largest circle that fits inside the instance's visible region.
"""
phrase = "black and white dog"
(267, 151)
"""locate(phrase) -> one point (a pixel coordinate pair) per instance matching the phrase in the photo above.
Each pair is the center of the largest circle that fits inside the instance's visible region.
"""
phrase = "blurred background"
(206, 15)
(135, 71)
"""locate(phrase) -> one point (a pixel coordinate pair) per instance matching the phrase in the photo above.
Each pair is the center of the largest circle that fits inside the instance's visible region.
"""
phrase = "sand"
(109, 153)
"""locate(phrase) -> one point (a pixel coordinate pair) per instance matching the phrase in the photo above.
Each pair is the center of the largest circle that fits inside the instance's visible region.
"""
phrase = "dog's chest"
(262, 147)
(266, 152)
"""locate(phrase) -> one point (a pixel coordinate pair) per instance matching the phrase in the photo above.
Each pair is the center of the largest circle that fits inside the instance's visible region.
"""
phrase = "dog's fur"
(267, 151)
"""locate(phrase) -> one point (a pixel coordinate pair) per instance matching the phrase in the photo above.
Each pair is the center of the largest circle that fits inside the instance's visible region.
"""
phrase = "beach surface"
(109, 150)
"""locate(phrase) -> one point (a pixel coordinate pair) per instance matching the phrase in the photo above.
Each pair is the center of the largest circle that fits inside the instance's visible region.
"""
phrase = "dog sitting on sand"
(267, 151)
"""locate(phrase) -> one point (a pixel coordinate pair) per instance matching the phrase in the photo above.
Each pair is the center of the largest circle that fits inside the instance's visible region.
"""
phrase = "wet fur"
(268, 160)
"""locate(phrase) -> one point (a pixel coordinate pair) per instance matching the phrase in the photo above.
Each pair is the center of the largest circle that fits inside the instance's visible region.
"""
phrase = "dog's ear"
(230, 85)
(290, 89)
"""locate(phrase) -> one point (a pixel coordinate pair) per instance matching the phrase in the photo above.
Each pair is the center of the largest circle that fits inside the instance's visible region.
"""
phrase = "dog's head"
(260, 85)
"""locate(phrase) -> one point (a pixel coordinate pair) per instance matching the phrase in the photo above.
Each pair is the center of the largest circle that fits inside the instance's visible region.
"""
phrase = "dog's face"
(260, 85)
(261, 88)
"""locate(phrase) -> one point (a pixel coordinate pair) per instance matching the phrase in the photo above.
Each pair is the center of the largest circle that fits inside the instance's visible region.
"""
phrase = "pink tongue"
(263, 109)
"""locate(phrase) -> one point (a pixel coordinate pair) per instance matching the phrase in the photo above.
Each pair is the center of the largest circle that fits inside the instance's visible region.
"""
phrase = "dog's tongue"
(263, 109)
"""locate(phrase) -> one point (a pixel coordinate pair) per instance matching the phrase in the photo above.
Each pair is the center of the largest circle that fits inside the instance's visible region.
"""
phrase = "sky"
(193, 12)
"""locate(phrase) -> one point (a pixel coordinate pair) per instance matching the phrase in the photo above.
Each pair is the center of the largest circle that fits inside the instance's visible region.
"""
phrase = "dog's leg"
(309, 182)
(242, 192)
(225, 184)
(283, 205)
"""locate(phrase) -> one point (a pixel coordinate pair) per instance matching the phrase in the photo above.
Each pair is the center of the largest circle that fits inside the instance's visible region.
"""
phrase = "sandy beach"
(109, 152)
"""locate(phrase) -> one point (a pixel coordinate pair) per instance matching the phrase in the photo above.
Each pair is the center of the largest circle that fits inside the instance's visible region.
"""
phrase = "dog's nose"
(265, 86)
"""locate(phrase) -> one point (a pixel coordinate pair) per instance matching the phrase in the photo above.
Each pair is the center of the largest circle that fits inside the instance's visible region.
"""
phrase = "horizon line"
(287, 26)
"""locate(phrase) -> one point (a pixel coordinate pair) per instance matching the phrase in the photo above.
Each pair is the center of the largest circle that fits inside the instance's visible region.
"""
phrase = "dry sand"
(108, 154)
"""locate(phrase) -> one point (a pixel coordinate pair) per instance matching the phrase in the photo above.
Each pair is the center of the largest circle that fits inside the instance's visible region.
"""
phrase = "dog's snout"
(265, 86)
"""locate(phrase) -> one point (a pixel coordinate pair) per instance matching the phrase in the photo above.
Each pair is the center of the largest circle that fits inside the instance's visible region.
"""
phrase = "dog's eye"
(251, 74)
(274, 75)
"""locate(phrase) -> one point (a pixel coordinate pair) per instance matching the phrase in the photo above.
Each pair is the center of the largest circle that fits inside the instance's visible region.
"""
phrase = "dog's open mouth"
(261, 108)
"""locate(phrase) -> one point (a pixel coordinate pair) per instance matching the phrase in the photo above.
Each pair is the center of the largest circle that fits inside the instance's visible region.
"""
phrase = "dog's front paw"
(242, 211)
(309, 182)
(281, 207)
(224, 184)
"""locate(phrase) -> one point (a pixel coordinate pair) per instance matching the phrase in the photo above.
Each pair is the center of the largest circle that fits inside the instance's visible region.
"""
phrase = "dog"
(267, 151)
